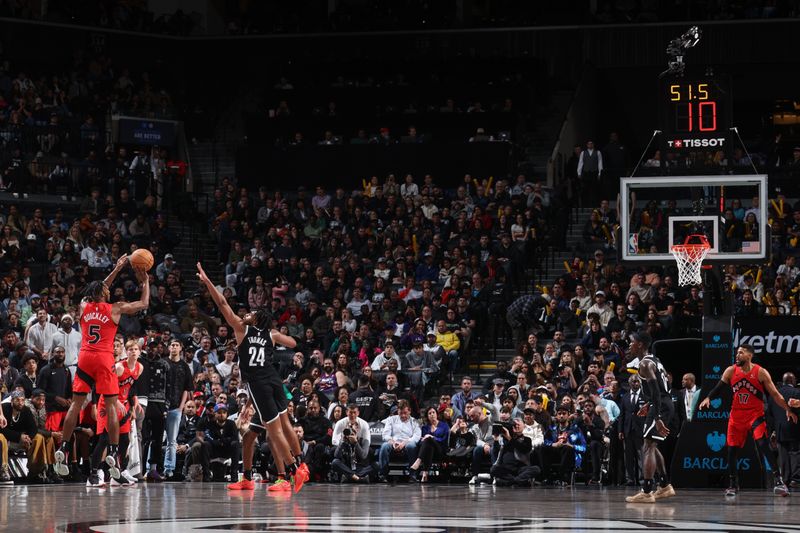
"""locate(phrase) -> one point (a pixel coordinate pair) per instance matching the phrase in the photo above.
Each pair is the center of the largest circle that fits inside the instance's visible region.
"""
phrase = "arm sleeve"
(716, 390)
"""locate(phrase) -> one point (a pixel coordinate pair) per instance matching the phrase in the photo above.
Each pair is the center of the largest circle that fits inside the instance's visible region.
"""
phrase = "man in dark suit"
(630, 428)
(688, 398)
(786, 432)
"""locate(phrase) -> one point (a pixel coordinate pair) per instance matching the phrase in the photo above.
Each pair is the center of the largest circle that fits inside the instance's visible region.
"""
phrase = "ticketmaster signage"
(769, 335)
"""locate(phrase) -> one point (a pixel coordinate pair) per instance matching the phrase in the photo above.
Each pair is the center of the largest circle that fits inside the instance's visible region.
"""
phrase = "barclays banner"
(700, 457)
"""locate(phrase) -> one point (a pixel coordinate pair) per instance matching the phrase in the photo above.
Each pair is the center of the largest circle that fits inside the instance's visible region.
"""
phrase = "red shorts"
(96, 369)
(102, 420)
(740, 424)
(55, 420)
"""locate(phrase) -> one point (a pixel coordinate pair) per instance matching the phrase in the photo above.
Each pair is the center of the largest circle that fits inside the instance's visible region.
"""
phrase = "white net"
(690, 261)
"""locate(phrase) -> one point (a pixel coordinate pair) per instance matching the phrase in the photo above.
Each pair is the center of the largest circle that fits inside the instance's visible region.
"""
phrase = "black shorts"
(667, 411)
(269, 399)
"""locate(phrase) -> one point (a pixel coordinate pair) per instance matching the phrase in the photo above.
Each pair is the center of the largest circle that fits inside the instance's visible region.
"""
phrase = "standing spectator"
(786, 433)
(317, 431)
(68, 338)
(631, 429)
(179, 388)
(41, 335)
(401, 435)
(56, 382)
(590, 168)
(153, 394)
(352, 439)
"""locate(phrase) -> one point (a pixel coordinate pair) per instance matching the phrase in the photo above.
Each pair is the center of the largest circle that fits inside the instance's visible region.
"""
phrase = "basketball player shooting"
(658, 412)
(96, 364)
(749, 381)
(256, 342)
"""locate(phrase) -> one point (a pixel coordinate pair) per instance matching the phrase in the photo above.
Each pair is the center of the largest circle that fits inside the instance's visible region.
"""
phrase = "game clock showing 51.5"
(694, 109)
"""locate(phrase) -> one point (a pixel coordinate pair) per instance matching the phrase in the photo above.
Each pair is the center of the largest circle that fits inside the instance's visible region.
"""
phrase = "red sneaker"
(280, 485)
(301, 476)
(244, 484)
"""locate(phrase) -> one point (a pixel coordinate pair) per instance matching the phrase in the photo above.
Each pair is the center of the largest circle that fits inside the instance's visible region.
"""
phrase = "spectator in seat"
(187, 436)
(165, 267)
(434, 349)
(351, 437)
(28, 376)
(565, 445)
(365, 399)
(317, 431)
(419, 367)
(18, 432)
(435, 434)
(484, 438)
(450, 342)
(460, 399)
(40, 466)
(217, 438)
(8, 374)
(401, 435)
(601, 308)
(382, 359)
(513, 465)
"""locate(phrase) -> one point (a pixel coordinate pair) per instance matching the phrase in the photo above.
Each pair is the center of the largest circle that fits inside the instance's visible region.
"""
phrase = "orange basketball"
(141, 259)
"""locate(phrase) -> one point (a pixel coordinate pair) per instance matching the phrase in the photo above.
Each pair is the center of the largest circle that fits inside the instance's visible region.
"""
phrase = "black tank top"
(661, 378)
(256, 355)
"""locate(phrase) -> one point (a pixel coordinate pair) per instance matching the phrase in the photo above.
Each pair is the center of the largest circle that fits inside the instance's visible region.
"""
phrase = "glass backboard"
(731, 211)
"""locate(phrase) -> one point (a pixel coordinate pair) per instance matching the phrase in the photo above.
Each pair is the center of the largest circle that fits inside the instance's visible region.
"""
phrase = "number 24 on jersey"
(258, 356)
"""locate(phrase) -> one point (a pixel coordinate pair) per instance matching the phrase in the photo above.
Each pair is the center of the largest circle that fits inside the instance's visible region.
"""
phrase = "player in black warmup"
(256, 343)
(659, 411)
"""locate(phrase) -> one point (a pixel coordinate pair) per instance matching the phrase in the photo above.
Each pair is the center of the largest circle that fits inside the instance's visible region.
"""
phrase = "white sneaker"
(113, 469)
(474, 480)
(61, 468)
(128, 478)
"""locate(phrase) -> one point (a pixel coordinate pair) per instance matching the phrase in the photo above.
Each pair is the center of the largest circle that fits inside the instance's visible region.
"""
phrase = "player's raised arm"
(724, 381)
(222, 304)
(121, 262)
(769, 386)
(284, 340)
(131, 308)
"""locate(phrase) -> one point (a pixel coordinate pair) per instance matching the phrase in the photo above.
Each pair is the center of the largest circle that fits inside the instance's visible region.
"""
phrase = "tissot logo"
(696, 143)
(769, 343)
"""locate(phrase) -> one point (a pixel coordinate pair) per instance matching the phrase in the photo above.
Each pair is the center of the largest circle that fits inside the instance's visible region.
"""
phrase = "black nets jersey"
(661, 378)
(256, 355)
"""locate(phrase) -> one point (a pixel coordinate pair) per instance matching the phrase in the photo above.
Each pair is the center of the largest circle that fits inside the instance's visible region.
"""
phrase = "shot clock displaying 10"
(693, 111)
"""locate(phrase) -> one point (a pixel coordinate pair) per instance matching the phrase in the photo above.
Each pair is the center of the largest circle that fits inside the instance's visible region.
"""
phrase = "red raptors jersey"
(748, 392)
(97, 328)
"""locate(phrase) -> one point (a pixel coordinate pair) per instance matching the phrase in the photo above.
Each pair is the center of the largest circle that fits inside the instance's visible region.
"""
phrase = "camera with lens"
(346, 432)
(497, 428)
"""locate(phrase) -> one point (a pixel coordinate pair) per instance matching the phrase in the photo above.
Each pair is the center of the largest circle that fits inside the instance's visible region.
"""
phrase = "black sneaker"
(94, 481)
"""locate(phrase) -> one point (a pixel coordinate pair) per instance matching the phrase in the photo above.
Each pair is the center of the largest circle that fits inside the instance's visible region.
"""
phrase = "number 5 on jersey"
(257, 356)
(93, 333)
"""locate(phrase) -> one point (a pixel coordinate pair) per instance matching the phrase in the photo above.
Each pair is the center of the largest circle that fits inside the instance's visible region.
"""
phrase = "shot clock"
(695, 112)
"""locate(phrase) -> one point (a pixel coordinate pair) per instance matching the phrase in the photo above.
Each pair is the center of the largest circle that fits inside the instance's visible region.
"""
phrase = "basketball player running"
(256, 340)
(96, 364)
(749, 382)
(659, 411)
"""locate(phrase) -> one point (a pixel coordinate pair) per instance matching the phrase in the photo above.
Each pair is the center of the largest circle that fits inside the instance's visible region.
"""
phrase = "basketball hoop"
(690, 259)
